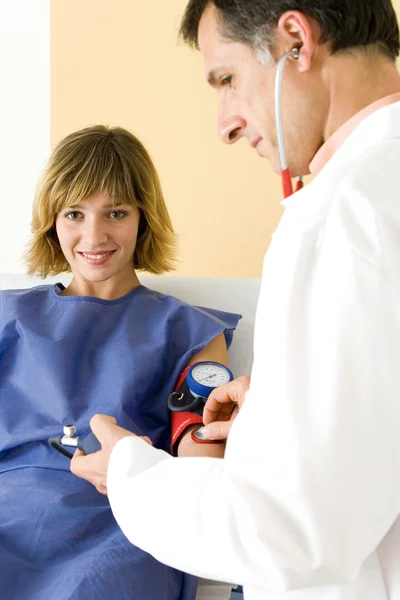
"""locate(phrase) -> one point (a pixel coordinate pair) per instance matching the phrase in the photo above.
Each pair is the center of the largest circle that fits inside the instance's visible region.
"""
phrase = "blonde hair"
(101, 160)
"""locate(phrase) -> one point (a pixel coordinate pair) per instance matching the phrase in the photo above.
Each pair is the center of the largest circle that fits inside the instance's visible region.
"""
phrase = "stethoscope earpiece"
(296, 52)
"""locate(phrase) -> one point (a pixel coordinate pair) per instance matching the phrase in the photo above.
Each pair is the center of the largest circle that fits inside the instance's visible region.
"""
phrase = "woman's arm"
(215, 351)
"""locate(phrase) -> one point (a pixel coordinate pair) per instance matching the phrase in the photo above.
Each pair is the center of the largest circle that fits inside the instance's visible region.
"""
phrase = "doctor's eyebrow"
(212, 78)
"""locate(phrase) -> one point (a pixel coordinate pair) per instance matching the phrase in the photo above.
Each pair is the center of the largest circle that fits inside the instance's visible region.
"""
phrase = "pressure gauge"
(203, 377)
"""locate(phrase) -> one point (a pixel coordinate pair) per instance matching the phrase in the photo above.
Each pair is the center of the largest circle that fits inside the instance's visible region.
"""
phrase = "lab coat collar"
(380, 126)
(331, 146)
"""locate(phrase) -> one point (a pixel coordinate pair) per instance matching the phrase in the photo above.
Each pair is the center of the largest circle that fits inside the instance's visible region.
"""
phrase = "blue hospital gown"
(63, 359)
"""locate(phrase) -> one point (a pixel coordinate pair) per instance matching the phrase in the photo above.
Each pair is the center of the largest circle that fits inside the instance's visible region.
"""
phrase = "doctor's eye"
(226, 80)
(73, 215)
(117, 215)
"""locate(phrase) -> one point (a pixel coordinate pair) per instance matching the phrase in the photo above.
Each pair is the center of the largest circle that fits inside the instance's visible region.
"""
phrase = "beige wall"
(118, 62)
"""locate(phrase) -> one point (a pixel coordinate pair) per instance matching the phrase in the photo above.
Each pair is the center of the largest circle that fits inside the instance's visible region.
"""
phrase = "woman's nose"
(95, 233)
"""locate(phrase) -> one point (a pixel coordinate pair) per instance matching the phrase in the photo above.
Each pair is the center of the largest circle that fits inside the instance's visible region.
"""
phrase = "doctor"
(306, 503)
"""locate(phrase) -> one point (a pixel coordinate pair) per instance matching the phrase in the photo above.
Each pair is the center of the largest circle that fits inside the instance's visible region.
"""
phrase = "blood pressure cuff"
(180, 421)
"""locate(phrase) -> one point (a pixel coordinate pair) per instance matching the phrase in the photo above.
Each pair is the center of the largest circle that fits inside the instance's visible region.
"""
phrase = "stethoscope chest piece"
(88, 443)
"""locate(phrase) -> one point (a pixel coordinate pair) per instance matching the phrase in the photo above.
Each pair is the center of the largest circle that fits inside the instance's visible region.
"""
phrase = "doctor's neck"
(353, 81)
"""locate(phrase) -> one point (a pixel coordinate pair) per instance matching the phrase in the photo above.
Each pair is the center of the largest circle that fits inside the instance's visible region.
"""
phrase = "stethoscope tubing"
(278, 110)
(285, 172)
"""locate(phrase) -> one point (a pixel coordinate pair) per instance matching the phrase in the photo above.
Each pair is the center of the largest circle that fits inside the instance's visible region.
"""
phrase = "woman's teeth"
(97, 256)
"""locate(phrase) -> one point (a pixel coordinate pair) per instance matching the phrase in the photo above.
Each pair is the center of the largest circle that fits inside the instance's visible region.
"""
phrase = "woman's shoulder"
(26, 295)
(172, 304)
(166, 302)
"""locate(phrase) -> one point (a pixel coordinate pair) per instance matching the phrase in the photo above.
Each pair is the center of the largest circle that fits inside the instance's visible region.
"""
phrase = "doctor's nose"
(230, 127)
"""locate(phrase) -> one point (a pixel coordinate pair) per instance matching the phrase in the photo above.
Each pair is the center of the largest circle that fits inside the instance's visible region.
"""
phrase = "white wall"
(24, 117)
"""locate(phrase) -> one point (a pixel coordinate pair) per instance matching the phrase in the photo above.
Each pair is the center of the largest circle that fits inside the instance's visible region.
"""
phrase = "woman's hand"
(222, 406)
(93, 467)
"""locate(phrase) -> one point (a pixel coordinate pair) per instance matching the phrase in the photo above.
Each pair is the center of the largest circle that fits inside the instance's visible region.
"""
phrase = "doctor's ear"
(296, 30)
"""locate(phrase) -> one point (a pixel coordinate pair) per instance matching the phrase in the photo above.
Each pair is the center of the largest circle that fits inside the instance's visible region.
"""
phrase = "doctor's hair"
(109, 161)
(345, 24)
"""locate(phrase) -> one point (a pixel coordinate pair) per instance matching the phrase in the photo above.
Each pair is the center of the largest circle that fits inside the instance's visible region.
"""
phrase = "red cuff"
(182, 420)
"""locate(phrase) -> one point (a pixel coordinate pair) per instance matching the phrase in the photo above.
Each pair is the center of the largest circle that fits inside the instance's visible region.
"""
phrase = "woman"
(105, 343)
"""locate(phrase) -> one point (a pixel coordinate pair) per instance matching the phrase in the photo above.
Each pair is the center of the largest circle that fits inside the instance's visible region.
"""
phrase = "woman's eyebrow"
(110, 205)
(114, 205)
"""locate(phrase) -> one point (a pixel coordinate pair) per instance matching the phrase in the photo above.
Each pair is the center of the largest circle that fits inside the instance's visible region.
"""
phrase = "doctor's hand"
(222, 407)
(93, 467)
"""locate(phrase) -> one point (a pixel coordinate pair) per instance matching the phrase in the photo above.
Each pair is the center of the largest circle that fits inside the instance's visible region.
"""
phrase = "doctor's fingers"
(219, 430)
(93, 468)
(223, 400)
(107, 431)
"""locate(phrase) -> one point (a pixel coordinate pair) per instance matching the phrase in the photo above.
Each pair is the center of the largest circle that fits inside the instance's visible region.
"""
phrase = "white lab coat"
(306, 503)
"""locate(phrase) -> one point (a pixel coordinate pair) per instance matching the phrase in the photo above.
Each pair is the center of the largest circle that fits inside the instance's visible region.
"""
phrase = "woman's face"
(98, 239)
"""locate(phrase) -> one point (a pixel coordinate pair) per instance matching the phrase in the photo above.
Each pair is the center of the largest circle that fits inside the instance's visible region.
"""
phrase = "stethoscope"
(285, 172)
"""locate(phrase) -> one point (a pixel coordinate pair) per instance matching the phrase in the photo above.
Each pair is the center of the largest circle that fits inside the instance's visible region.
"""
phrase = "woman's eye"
(117, 215)
(74, 215)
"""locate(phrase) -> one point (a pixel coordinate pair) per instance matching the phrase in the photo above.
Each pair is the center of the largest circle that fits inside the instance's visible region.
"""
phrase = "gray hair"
(345, 24)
